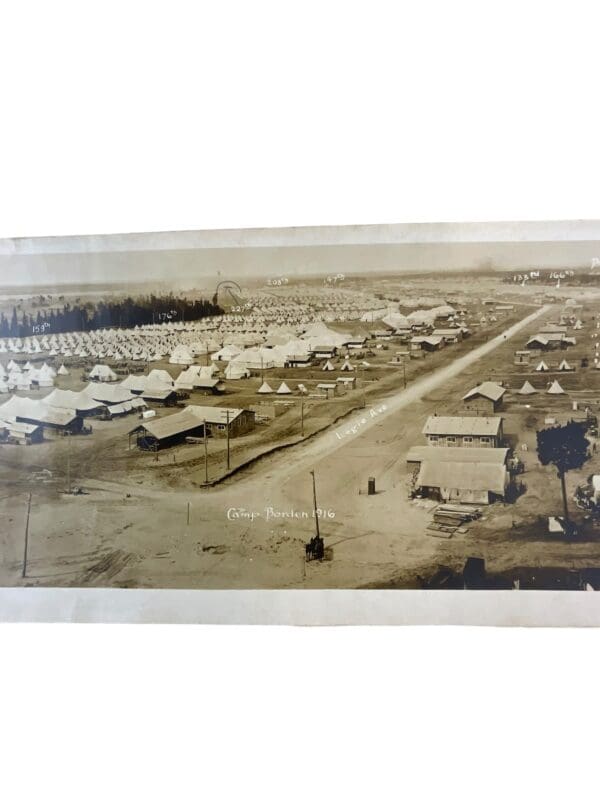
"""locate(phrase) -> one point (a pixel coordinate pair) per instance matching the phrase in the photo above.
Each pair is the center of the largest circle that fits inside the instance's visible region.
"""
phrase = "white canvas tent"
(527, 388)
(74, 401)
(102, 372)
(181, 355)
(328, 366)
(226, 353)
(284, 388)
(209, 371)
(48, 370)
(555, 388)
(564, 366)
(542, 367)
(20, 381)
(41, 377)
(234, 372)
(160, 378)
(265, 389)
(255, 358)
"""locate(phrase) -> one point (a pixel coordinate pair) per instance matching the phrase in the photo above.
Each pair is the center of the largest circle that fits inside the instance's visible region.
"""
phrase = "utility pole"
(207, 356)
(302, 417)
(23, 574)
(362, 385)
(312, 472)
(228, 460)
(68, 462)
(205, 456)
(404, 370)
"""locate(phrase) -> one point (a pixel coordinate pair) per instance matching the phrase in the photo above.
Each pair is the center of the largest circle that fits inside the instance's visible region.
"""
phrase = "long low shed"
(463, 481)
(466, 475)
(20, 432)
(463, 431)
(36, 412)
(167, 431)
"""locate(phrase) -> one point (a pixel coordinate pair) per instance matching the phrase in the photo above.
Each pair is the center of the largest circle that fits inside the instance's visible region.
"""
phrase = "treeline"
(92, 316)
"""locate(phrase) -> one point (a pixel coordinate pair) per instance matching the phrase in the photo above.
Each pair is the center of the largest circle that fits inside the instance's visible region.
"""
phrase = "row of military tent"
(553, 388)
(64, 410)
(564, 366)
(22, 378)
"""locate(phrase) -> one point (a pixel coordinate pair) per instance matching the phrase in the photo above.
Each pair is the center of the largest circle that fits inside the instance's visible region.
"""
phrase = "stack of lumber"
(456, 515)
(441, 531)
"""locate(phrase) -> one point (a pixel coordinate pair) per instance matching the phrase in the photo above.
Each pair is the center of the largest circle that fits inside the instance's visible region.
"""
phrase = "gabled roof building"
(464, 431)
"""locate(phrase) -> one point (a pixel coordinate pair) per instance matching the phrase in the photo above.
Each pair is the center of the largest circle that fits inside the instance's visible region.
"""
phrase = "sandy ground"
(250, 531)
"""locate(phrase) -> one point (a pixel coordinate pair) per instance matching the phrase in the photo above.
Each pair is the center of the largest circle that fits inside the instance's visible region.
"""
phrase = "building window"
(220, 427)
(433, 439)
(485, 440)
(467, 440)
(451, 439)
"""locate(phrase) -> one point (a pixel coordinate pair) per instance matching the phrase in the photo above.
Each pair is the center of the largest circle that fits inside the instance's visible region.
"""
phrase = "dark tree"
(566, 448)
(123, 314)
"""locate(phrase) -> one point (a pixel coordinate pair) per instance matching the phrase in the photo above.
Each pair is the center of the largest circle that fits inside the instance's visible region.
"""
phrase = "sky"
(203, 257)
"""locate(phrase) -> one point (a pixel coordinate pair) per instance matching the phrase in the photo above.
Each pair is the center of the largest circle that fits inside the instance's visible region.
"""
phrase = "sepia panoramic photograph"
(299, 399)
(368, 407)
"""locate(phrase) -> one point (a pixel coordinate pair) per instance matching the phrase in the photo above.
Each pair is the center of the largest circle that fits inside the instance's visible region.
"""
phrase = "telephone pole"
(302, 417)
(205, 456)
(68, 462)
(312, 472)
(24, 572)
(362, 386)
(228, 459)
